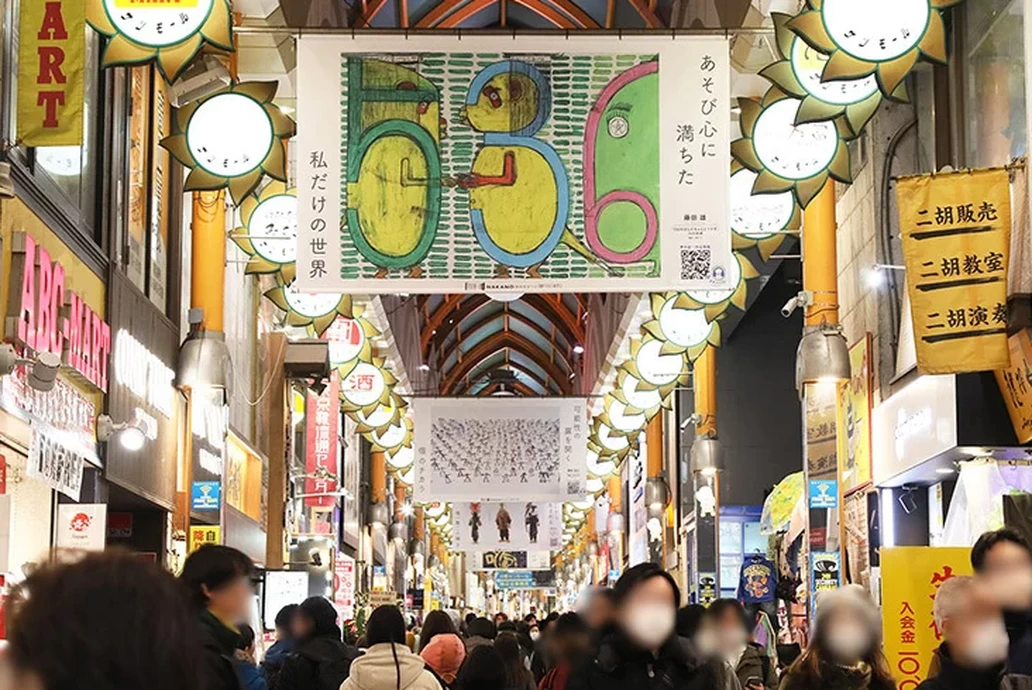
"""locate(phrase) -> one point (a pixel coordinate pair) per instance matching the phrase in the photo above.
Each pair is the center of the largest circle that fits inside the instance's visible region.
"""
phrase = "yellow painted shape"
(513, 114)
(518, 217)
(391, 211)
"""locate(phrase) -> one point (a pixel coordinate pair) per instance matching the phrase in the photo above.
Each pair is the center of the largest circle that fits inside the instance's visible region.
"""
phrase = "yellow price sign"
(203, 534)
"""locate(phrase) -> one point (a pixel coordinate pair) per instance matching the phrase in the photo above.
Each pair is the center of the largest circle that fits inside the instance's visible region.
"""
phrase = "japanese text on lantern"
(956, 237)
(322, 417)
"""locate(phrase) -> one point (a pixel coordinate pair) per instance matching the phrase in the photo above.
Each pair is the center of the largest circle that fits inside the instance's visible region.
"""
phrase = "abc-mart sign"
(43, 315)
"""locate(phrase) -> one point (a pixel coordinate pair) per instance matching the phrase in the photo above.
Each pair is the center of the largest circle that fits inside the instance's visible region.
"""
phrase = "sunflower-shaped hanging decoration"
(800, 74)
(884, 38)
(655, 367)
(393, 437)
(759, 220)
(640, 396)
(350, 340)
(318, 310)
(619, 418)
(170, 34)
(609, 443)
(382, 416)
(231, 138)
(367, 387)
(682, 325)
(715, 302)
(789, 156)
(269, 230)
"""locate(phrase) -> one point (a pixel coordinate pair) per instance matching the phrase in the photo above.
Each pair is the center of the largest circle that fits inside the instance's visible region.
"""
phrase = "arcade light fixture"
(42, 370)
(822, 356)
(131, 435)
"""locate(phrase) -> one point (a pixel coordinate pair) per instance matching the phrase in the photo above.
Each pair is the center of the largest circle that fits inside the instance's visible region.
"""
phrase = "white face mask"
(733, 639)
(988, 644)
(706, 643)
(650, 624)
(849, 642)
(534, 635)
(1013, 589)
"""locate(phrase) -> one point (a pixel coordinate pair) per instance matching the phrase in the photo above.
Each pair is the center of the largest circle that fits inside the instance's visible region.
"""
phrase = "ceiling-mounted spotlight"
(132, 435)
(42, 370)
(578, 349)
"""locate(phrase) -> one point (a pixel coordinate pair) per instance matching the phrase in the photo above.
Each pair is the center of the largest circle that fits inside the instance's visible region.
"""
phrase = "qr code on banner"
(695, 264)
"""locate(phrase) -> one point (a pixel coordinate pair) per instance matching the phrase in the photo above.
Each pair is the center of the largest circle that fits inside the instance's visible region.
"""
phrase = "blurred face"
(599, 613)
(569, 647)
(1008, 572)
(707, 638)
(302, 626)
(12, 678)
(848, 635)
(232, 601)
(649, 613)
(535, 633)
(974, 629)
(731, 633)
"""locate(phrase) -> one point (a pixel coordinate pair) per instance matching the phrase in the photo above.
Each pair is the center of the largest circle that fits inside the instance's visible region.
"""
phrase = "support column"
(274, 442)
(705, 466)
(822, 346)
(379, 513)
(208, 257)
(615, 524)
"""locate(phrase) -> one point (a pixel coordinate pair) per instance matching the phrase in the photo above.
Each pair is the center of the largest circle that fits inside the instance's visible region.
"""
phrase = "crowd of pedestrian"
(112, 621)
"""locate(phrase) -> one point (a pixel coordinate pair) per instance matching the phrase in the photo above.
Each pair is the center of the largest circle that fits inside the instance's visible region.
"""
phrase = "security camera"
(693, 418)
(802, 299)
(42, 370)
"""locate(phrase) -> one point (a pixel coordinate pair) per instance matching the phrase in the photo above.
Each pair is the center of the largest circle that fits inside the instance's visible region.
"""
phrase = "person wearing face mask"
(845, 649)
(643, 651)
(1003, 561)
(749, 661)
(975, 644)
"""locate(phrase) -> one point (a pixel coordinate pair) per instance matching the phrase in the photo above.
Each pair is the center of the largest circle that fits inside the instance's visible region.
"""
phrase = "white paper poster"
(282, 588)
(500, 449)
(344, 592)
(516, 526)
(53, 463)
(557, 164)
(82, 526)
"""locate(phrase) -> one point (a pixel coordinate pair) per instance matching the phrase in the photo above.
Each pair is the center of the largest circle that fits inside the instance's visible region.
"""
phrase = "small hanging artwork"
(306, 309)
(169, 34)
(268, 233)
(231, 138)
(760, 220)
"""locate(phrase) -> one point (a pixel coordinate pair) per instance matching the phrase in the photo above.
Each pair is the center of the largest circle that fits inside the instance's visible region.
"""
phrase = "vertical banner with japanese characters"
(51, 44)
(322, 448)
(854, 418)
(956, 242)
(1015, 384)
(910, 577)
(574, 163)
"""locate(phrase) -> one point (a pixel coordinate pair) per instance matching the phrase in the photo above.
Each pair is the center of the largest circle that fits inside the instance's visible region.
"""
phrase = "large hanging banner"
(519, 526)
(51, 43)
(956, 241)
(1015, 383)
(561, 164)
(854, 418)
(500, 449)
(910, 577)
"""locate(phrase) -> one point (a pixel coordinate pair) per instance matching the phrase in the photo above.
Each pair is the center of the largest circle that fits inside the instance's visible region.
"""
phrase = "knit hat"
(853, 597)
(445, 654)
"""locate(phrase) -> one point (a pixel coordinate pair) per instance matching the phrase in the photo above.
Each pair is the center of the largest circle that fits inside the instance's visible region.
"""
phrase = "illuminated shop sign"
(143, 373)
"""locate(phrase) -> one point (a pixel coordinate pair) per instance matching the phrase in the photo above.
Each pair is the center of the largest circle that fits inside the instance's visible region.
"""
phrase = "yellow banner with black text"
(52, 38)
(956, 240)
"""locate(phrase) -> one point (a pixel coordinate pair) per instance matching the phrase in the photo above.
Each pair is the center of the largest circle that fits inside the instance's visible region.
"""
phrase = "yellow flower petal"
(174, 59)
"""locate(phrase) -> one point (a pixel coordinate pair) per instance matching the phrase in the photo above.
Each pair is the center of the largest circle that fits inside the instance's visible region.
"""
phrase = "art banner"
(1015, 382)
(854, 418)
(52, 463)
(500, 449)
(956, 242)
(562, 164)
(51, 44)
(910, 577)
(519, 526)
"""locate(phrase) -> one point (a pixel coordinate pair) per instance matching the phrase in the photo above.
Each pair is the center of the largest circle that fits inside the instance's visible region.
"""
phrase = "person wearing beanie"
(388, 664)
(444, 655)
(845, 649)
(322, 660)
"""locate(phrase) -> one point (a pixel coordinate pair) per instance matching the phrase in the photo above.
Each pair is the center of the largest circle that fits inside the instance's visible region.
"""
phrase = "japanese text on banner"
(911, 575)
(52, 38)
(956, 238)
(322, 420)
(1015, 384)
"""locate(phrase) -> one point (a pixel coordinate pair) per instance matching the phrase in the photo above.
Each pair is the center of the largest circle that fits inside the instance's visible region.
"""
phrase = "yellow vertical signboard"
(1015, 384)
(956, 240)
(910, 577)
(854, 419)
(203, 534)
(52, 37)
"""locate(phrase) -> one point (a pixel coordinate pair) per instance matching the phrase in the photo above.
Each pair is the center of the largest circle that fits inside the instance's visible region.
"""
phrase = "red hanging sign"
(322, 449)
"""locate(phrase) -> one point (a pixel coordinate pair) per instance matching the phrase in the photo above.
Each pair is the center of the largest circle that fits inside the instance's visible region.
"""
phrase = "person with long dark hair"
(642, 650)
(108, 621)
(322, 661)
(483, 670)
(218, 583)
(845, 650)
(436, 623)
(388, 663)
(517, 676)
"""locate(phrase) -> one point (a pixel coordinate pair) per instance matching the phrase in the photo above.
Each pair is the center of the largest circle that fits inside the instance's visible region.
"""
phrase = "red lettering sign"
(322, 419)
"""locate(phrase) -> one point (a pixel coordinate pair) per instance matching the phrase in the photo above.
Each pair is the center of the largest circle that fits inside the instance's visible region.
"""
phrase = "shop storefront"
(245, 493)
(48, 449)
(142, 481)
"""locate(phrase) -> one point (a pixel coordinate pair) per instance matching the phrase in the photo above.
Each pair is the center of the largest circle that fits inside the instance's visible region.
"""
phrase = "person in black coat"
(1003, 560)
(218, 582)
(322, 659)
(643, 651)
